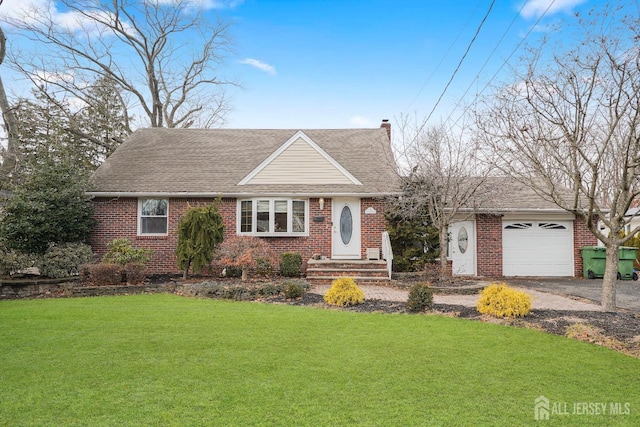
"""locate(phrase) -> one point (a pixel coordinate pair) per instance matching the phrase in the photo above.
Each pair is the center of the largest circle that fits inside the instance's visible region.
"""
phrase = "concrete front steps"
(323, 272)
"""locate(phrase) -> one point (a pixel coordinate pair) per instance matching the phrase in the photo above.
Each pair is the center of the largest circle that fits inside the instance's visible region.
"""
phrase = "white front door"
(345, 239)
(462, 248)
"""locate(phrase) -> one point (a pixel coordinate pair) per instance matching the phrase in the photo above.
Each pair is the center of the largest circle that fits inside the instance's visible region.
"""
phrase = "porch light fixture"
(321, 203)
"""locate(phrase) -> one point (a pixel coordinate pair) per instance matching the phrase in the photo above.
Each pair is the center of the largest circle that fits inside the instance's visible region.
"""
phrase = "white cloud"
(361, 122)
(535, 8)
(208, 4)
(27, 10)
(269, 69)
(24, 9)
(32, 11)
(43, 76)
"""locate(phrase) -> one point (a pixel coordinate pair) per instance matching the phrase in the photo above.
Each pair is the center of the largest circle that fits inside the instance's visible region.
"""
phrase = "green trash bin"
(625, 263)
(593, 261)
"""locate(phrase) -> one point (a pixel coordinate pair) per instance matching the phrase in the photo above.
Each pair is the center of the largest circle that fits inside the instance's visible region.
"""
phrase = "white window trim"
(140, 233)
(271, 233)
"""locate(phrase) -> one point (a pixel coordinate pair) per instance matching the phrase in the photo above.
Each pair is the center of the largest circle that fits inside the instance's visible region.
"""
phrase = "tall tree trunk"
(185, 275)
(610, 276)
(9, 160)
(444, 241)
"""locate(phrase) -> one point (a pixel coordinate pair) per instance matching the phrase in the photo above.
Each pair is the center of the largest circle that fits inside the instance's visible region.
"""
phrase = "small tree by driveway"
(444, 179)
(570, 119)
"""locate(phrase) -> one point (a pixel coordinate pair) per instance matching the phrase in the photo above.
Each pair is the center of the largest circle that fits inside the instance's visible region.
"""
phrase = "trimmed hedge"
(290, 264)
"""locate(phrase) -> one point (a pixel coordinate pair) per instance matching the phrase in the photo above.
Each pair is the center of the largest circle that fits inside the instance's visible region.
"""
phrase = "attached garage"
(537, 248)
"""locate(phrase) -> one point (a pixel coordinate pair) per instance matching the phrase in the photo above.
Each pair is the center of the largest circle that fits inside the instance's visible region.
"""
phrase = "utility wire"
(501, 66)
(515, 18)
(441, 59)
(457, 68)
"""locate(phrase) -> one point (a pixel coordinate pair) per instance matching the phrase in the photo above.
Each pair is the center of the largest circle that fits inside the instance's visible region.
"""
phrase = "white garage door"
(537, 248)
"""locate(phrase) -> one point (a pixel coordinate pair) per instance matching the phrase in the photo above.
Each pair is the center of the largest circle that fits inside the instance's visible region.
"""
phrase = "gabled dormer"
(299, 160)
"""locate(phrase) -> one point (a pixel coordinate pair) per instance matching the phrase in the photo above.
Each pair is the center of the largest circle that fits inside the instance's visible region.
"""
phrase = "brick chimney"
(385, 124)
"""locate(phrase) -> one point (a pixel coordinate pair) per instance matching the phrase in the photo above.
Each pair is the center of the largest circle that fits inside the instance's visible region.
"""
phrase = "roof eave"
(234, 195)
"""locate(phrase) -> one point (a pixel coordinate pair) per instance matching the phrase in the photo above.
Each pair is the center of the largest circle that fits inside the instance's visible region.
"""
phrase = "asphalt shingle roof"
(214, 161)
(510, 195)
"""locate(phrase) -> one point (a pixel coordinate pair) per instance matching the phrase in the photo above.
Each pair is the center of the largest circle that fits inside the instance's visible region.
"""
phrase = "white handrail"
(387, 252)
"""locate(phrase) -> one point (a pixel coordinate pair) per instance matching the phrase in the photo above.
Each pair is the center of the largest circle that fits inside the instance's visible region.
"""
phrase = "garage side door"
(537, 248)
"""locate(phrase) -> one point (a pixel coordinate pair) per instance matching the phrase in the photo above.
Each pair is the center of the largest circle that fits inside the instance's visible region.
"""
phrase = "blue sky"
(337, 64)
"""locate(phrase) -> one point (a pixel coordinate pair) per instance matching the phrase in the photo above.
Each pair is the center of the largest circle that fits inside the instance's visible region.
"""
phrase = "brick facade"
(581, 237)
(118, 218)
(489, 247)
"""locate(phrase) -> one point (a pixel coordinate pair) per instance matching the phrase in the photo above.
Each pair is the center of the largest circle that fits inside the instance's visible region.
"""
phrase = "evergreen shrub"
(500, 300)
(420, 298)
(199, 231)
(12, 261)
(292, 289)
(290, 264)
(121, 251)
(64, 260)
(232, 271)
(344, 292)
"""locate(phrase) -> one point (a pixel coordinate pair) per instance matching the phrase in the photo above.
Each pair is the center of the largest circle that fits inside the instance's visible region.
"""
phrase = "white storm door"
(462, 248)
(345, 239)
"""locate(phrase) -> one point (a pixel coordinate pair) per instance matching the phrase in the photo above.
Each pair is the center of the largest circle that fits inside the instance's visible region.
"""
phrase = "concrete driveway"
(627, 292)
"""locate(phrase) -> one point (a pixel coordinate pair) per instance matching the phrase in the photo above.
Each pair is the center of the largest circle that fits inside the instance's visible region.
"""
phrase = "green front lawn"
(168, 360)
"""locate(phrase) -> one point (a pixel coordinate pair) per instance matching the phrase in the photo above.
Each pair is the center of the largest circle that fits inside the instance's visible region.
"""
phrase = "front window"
(262, 217)
(153, 217)
(273, 217)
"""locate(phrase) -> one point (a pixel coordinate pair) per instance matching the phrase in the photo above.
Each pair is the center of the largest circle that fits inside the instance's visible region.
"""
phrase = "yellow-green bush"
(344, 292)
(500, 300)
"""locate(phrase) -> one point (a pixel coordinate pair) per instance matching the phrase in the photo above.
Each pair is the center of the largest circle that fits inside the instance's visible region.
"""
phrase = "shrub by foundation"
(232, 271)
(64, 260)
(12, 261)
(290, 264)
(106, 274)
(344, 292)
(134, 273)
(500, 300)
(121, 251)
(420, 298)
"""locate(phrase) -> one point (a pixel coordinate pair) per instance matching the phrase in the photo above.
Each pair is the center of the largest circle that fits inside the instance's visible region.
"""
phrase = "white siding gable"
(299, 161)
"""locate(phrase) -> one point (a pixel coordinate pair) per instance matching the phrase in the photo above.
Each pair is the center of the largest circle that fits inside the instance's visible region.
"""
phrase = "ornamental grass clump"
(344, 292)
(500, 300)
(420, 298)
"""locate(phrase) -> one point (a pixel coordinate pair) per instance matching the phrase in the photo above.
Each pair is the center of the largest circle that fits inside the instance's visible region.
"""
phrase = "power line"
(515, 18)
(458, 67)
(501, 66)
(441, 59)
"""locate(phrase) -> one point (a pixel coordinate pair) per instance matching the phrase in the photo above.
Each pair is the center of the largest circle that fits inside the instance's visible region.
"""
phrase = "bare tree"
(570, 121)
(443, 178)
(164, 56)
